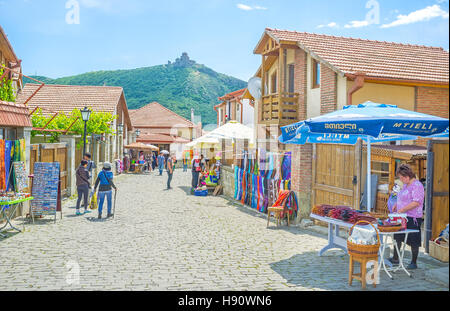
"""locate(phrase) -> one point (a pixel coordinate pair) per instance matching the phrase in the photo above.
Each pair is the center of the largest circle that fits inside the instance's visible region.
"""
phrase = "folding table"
(13, 207)
(335, 241)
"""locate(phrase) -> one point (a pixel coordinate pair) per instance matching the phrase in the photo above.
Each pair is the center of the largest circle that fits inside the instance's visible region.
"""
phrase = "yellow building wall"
(402, 96)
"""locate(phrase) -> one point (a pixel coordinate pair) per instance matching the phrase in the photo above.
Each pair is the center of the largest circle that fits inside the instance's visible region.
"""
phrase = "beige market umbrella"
(141, 146)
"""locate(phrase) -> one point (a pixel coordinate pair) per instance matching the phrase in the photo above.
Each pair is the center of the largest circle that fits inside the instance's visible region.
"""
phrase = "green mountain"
(179, 86)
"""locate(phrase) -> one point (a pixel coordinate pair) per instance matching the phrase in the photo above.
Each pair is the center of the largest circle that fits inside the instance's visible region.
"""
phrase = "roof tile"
(375, 58)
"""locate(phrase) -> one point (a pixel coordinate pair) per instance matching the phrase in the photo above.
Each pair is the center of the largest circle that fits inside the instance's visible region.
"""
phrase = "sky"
(57, 38)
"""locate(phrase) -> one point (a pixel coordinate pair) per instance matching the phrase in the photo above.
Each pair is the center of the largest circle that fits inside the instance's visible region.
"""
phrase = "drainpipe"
(359, 78)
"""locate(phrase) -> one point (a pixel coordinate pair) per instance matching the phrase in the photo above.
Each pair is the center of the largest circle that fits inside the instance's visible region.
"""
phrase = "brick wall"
(301, 155)
(431, 100)
(328, 90)
(300, 82)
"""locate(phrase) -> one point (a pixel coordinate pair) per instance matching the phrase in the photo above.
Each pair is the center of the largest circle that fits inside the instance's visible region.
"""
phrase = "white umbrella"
(165, 152)
(203, 141)
(233, 130)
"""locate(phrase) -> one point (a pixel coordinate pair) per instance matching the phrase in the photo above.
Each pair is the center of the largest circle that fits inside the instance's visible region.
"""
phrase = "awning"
(14, 115)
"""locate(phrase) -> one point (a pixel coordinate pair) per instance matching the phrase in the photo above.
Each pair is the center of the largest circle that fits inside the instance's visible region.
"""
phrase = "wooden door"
(336, 174)
(437, 186)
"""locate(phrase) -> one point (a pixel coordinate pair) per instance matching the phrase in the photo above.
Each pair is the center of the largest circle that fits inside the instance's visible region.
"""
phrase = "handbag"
(93, 205)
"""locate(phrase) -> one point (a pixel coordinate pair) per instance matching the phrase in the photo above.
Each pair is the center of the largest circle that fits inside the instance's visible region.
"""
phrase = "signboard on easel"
(46, 189)
(20, 177)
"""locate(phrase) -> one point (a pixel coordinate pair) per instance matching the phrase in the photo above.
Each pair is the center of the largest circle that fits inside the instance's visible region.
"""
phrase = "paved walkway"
(169, 240)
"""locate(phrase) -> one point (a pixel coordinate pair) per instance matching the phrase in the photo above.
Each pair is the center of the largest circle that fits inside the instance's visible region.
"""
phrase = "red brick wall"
(328, 90)
(432, 100)
(300, 82)
(301, 168)
(301, 155)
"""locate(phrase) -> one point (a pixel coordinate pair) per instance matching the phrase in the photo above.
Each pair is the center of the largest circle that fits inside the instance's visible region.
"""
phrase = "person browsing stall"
(410, 202)
(83, 186)
(105, 183)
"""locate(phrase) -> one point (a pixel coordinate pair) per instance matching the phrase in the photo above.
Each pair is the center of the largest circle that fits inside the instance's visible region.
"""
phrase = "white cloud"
(425, 14)
(357, 24)
(330, 25)
(249, 8)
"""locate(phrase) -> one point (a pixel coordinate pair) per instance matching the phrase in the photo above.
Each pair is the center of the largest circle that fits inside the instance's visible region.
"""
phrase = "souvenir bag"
(94, 204)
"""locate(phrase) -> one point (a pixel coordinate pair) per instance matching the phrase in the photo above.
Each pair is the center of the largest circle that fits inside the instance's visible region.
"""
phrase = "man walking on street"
(89, 168)
(169, 171)
(161, 163)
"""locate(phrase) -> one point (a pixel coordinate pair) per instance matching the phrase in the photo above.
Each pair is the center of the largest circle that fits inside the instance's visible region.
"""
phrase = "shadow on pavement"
(95, 219)
(187, 190)
(8, 234)
(272, 226)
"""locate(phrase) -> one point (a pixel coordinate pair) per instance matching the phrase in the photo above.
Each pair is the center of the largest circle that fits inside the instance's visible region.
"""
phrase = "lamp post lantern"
(85, 114)
(138, 133)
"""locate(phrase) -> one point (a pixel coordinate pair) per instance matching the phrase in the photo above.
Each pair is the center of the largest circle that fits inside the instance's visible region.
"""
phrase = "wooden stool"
(277, 210)
(360, 276)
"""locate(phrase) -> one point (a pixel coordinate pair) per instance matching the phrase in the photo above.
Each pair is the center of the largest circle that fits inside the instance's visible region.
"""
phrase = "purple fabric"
(410, 193)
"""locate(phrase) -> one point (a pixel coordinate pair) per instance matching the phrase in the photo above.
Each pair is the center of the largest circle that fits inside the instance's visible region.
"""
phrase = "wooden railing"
(281, 108)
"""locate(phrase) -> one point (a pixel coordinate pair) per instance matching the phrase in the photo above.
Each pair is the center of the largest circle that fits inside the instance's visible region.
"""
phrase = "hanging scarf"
(22, 150)
(8, 159)
(254, 191)
(236, 179)
(2, 165)
(262, 162)
(286, 166)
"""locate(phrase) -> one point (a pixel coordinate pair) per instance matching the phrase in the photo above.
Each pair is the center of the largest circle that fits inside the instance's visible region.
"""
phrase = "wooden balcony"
(281, 109)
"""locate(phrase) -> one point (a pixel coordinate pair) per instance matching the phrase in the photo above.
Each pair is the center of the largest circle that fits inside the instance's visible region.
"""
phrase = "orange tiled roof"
(156, 138)
(233, 95)
(156, 115)
(14, 115)
(377, 59)
(66, 98)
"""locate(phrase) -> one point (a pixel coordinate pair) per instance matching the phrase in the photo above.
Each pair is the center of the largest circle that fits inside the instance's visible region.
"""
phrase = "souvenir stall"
(259, 178)
(136, 161)
(372, 123)
(14, 189)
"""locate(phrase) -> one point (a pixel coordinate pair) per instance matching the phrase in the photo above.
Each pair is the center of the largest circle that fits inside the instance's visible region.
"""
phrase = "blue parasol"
(372, 122)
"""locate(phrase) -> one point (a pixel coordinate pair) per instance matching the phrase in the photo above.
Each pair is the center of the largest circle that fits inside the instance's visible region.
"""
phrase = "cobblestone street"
(170, 240)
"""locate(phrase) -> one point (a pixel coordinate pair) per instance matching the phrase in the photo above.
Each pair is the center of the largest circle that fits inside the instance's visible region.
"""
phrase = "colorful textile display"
(260, 176)
(21, 177)
(45, 188)
(9, 149)
(288, 200)
(286, 166)
(236, 182)
(2, 165)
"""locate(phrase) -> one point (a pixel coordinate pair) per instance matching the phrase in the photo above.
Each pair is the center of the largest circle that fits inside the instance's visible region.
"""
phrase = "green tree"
(6, 89)
(99, 123)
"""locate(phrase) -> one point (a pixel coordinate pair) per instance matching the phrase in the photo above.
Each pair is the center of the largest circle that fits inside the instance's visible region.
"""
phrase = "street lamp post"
(85, 114)
(120, 138)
